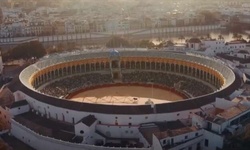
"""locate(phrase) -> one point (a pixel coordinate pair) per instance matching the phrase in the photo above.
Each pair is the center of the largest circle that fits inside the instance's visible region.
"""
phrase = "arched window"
(152, 65)
(172, 67)
(78, 69)
(189, 70)
(138, 65)
(56, 73)
(167, 67)
(73, 69)
(69, 70)
(181, 69)
(87, 67)
(194, 72)
(128, 65)
(186, 70)
(92, 67)
(52, 74)
(64, 70)
(107, 65)
(49, 76)
(176, 68)
(143, 65)
(148, 65)
(45, 77)
(132, 65)
(158, 66)
(197, 73)
(163, 67)
(60, 72)
(102, 65)
(122, 64)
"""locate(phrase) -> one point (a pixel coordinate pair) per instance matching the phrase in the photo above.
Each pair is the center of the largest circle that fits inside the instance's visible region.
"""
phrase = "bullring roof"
(230, 86)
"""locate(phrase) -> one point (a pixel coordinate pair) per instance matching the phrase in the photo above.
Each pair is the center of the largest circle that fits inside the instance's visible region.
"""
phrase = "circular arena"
(119, 99)
(177, 79)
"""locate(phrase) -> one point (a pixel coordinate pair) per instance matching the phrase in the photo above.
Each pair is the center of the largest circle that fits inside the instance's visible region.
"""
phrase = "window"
(164, 141)
(81, 131)
(186, 137)
(196, 134)
(206, 142)
(129, 124)
(178, 114)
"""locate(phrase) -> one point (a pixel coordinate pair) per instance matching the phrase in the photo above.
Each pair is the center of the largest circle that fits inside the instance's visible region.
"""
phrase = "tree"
(210, 18)
(26, 51)
(146, 44)
(208, 36)
(116, 42)
(220, 37)
(248, 37)
(235, 36)
(181, 38)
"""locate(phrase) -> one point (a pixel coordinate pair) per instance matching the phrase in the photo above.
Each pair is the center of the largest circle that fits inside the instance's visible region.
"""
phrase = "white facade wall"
(143, 140)
(232, 47)
(88, 132)
(194, 46)
(198, 121)
(156, 143)
(40, 142)
(19, 110)
(214, 141)
(74, 116)
(190, 144)
(118, 131)
(182, 138)
(216, 46)
(224, 104)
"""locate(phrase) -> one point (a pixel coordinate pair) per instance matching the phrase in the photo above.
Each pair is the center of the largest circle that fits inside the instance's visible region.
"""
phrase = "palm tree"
(220, 37)
(208, 36)
(235, 36)
(240, 37)
(248, 37)
(181, 38)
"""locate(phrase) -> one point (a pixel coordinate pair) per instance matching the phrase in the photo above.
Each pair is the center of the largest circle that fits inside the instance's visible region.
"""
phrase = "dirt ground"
(126, 95)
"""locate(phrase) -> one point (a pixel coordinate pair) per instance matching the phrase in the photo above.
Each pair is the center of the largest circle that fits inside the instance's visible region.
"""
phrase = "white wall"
(181, 138)
(88, 132)
(19, 110)
(214, 140)
(118, 131)
(156, 143)
(39, 142)
(60, 113)
(224, 104)
(143, 140)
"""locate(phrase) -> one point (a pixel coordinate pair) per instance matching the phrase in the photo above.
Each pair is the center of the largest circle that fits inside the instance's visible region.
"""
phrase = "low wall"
(173, 90)
(40, 142)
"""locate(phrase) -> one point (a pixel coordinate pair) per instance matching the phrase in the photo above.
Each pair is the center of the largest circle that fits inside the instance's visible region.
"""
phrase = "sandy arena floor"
(126, 95)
